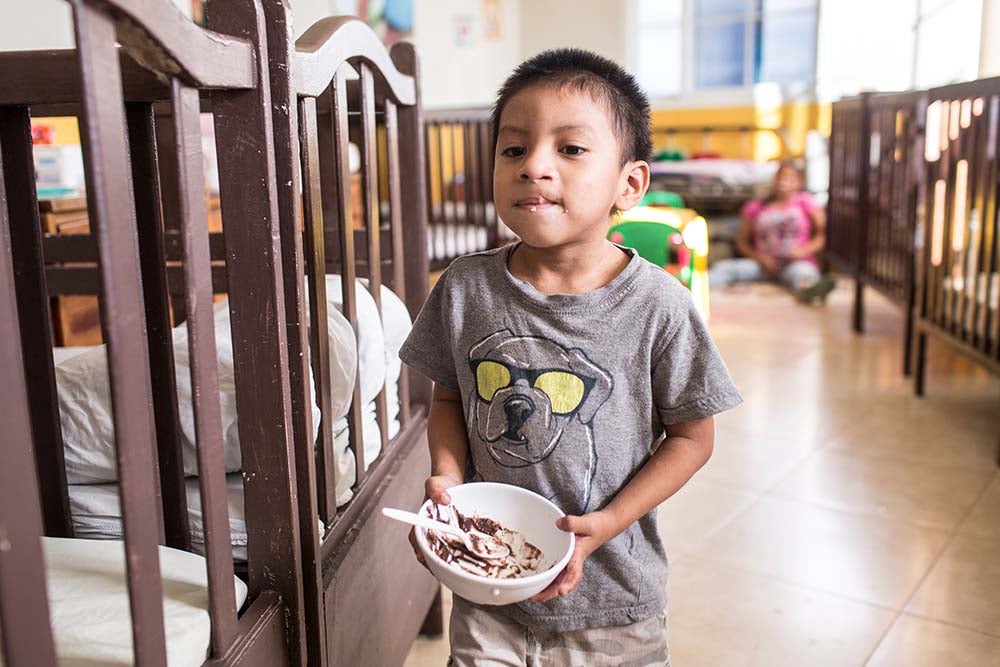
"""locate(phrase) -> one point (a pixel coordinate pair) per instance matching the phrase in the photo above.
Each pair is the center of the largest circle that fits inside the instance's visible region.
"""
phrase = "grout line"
(927, 573)
(951, 624)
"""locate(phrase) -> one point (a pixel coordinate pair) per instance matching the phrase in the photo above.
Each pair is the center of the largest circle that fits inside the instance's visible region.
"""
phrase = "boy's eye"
(573, 150)
(513, 151)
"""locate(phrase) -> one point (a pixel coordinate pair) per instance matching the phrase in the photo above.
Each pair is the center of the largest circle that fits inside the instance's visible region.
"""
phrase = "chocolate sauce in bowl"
(524, 559)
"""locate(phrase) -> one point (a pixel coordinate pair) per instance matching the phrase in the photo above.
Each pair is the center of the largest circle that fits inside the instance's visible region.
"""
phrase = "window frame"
(689, 95)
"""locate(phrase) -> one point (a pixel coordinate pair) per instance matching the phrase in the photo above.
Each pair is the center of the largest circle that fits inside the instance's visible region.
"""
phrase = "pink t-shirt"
(780, 228)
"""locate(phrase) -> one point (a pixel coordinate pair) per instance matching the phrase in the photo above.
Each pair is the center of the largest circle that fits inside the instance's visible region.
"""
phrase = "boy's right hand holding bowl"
(436, 489)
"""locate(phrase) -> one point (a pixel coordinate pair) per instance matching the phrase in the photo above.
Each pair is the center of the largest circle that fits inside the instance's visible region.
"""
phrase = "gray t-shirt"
(567, 395)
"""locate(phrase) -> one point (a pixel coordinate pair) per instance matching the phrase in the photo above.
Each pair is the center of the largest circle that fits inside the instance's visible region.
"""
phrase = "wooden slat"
(398, 248)
(24, 607)
(112, 218)
(49, 77)
(245, 149)
(369, 193)
(87, 280)
(282, 61)
(35, 322)
(315, 256)
(204, 365)
(348, 271)
(149, 227)
(413, 192)
(170, 202)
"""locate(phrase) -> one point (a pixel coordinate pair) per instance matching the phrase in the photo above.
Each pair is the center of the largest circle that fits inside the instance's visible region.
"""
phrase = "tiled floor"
(841, 520)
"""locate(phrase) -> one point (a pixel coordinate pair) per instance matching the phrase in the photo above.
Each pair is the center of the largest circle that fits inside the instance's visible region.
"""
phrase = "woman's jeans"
(795, 275)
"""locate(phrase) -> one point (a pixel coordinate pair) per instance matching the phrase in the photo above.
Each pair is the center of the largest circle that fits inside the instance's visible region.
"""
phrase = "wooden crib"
(460, 211)
(958, 293)
(913, 213)
(321, 579)
(875, 187)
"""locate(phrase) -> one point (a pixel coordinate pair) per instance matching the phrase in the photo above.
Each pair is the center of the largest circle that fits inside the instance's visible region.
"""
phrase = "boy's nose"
(535, 168)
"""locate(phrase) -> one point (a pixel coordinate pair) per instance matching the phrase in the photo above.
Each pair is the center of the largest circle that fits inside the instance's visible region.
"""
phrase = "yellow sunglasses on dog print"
(566, 390)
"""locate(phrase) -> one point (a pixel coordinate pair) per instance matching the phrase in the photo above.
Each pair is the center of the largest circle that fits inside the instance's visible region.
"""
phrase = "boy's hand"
(592, 530)
(435, 488)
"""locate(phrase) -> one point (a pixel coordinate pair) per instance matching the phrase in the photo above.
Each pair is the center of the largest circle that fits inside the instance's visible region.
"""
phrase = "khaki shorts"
(484, 639)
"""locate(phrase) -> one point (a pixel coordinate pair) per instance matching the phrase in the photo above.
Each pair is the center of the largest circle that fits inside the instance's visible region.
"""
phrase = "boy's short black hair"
(586, 71)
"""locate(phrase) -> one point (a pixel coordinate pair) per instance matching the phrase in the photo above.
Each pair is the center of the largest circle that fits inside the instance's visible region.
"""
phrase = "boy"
(560, 361)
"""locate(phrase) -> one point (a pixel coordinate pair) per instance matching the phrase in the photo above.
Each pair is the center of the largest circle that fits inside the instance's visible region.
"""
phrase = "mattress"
(96, 508)
(89, 604)
(454, 239)
(84, 392)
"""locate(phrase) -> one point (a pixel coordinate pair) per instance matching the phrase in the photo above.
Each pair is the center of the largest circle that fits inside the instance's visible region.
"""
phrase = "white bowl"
(517, 509)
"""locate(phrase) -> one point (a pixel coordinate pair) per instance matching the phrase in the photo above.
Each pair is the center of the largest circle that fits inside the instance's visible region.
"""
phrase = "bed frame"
(283, 115)
(959, 259)
(914, 188)
(876, 145)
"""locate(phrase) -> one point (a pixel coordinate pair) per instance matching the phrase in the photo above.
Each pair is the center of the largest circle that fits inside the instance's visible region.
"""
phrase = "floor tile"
(696, 511)
(984, 520)
(934, 496)
(864, 558)
(964, 586)
(722, 616)
(919, 642)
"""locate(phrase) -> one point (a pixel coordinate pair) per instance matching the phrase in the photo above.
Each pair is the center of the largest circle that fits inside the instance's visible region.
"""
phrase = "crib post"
(251, 228)
(370, 207)
(112, 209)
(414, 192)
(24, 606)
(149, 228)
(398, 243)
(284, 101)
(35, 324)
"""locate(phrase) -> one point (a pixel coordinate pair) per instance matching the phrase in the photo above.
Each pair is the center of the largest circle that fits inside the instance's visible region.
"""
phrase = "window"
(691, 45)
(659, 48)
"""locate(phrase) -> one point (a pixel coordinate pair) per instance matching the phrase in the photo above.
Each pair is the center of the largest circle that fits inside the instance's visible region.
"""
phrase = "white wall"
(596, 25)
(42, 24)
(465, 74)
(989, 54)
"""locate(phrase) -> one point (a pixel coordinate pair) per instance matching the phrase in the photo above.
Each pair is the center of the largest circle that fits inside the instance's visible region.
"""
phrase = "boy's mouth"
(536, 203)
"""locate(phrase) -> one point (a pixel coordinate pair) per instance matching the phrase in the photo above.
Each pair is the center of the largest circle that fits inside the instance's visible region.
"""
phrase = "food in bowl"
(522, 559)
(513, 507)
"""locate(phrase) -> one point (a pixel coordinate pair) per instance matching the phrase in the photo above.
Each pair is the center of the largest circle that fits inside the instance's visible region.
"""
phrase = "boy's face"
(558, 170)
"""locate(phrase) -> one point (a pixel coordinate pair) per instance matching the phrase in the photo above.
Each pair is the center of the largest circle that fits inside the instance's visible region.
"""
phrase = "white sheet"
(89, 607)
(451, 240)
(96, 508)
(732, 172)
(84, 395)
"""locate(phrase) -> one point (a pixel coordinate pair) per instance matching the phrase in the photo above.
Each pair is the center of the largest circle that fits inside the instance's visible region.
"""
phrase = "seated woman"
(779, 238)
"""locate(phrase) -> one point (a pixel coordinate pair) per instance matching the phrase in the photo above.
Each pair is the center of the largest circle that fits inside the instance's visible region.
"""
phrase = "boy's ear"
(635, 181)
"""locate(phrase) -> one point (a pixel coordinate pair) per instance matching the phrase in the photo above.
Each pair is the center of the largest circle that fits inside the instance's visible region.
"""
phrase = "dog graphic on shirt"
(534, 403)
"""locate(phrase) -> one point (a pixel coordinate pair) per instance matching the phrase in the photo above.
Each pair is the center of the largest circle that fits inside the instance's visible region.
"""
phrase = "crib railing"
(959, 293)
(913, 212)
(874, 192)
(460, 209)
(115, 107)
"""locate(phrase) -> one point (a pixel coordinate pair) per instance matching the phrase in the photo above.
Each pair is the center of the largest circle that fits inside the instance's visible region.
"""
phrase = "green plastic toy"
(662, 198)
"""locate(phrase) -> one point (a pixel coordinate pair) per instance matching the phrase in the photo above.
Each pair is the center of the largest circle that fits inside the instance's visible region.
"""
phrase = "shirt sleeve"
(690, 380)
(752, 209)
(807, 203)
(428, 347)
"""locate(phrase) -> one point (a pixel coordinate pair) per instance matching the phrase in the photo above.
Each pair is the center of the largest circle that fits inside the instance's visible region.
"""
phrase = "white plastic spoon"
(480, 544)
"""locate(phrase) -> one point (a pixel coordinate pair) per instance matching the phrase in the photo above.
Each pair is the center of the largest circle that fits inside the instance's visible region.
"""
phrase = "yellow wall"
(793, 120)
(67, 131)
